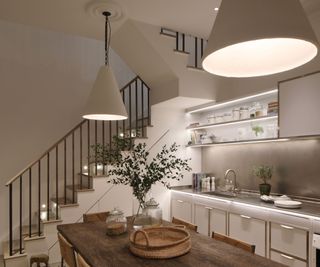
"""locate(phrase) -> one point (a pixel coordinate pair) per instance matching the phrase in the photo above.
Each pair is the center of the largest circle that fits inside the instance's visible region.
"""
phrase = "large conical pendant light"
(105, 101)
(259, 37)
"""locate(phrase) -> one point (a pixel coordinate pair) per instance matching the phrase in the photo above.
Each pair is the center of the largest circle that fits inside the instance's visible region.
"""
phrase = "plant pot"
(265, 189)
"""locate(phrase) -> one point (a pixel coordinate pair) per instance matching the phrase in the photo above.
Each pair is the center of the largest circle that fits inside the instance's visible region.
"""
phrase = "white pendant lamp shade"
(259, 37)
(105, 101)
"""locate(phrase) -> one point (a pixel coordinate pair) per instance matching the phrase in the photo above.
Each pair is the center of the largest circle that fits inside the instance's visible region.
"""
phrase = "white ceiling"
(70, 16)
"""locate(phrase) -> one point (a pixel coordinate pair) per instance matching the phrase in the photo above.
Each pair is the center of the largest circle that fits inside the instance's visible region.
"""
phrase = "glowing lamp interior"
(260, 57)
(104, 117)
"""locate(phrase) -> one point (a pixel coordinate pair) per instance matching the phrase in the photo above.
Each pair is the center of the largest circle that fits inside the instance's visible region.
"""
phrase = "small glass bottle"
(258, 110)
(116, 222)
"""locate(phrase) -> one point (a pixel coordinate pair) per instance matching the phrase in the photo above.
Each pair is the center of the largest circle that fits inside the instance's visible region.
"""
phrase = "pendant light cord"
(107, 37)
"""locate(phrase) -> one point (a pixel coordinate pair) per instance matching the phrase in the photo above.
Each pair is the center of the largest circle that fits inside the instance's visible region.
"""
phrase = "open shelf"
(233, 102)
(212, 125)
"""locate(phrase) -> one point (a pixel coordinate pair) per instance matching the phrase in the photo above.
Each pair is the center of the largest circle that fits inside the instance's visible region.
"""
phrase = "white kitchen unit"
(287, 260)
(181, 206)
(299, 106)
(282, 235)
(210, 216)
(250, 230)
(249, 225)
(290, 239)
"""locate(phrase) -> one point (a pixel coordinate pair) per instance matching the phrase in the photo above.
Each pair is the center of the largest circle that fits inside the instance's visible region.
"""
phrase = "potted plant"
(135, 168)
(264, 173)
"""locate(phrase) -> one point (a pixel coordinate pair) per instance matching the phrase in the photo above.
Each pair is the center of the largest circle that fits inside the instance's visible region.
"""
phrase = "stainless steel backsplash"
(296, 165)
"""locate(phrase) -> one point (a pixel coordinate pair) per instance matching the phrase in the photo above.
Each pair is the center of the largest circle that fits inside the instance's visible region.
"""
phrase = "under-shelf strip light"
(235, 101)
(207, 126)
(242, 142)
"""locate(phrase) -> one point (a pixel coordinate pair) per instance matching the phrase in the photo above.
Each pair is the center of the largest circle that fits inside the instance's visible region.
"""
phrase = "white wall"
(45, 80)
(175, 120)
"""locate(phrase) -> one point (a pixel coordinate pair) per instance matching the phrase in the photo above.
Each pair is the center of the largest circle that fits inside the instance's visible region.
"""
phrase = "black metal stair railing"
(188, 44)
(36, 192)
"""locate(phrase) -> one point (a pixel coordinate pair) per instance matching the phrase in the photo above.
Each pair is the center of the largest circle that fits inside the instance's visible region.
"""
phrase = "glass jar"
(236, 114)
(116, 222)
(153, 211)
(244, 113)
(252, 110)
(258, 109)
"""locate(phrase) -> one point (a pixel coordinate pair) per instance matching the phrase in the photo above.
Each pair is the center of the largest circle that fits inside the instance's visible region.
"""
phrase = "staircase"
(68, 180)
(189, 45)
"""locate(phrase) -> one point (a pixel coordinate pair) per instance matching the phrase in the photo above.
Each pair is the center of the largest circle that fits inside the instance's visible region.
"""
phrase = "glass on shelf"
(258, 110)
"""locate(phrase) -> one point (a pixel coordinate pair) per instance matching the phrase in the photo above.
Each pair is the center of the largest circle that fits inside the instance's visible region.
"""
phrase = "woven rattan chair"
(95, 217)
(67, 252)
(188, 225)
(234, 242)
(81, 261)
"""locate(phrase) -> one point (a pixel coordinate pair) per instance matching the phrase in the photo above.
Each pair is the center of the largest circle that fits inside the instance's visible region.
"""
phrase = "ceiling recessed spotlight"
(216, 8)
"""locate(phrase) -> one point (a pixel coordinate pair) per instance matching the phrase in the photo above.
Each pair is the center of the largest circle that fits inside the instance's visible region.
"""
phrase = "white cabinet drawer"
(181, 209)
(218, 221)
(209, 219)
(249, 230)
(201, 218)
(288, 239)
(287, 260)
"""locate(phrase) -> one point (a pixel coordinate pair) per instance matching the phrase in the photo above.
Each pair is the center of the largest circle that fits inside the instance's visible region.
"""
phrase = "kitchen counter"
(309, 209)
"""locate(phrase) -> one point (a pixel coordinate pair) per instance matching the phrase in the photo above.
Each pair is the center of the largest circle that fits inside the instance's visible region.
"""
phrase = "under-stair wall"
(152, 55)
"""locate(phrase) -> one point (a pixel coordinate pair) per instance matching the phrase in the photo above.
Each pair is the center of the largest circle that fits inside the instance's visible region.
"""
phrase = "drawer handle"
(287, 257)
(208, 208)
(286, 227)
(245, 216)
(180, 201)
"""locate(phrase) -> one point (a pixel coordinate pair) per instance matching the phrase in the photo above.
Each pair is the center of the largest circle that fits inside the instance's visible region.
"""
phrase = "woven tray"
(160, 242)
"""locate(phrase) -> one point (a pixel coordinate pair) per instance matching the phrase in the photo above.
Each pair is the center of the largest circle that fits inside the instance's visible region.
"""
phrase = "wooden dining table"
(99, 250)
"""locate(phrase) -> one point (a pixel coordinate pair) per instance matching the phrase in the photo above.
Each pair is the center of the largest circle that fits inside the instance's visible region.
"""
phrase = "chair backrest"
(67, 252)
(234, 242)
(95, 217)
(81, 261)
(188, 225)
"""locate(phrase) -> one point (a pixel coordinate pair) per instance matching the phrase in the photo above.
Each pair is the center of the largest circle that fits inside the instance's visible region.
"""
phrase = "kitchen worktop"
(309, 209)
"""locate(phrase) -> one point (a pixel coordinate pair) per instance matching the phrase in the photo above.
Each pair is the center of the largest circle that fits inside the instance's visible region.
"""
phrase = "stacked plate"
(288, 204)
(282, 202)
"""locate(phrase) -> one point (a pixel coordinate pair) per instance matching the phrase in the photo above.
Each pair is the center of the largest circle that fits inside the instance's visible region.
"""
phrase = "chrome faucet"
(235, 189)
